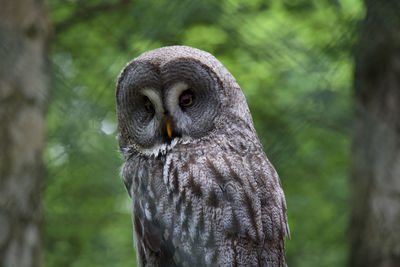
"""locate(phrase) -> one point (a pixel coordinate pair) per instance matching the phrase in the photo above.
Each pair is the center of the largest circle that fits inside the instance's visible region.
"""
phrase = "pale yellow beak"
(169, 128)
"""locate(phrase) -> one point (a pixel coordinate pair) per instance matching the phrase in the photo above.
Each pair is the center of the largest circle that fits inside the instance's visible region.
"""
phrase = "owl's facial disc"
(159, 105)
(192, 97)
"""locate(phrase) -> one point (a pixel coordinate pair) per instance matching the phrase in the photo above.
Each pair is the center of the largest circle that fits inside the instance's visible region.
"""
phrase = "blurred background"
(294, 60)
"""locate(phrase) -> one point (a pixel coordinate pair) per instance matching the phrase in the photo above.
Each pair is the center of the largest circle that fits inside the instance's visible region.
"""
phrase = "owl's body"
(203, 191)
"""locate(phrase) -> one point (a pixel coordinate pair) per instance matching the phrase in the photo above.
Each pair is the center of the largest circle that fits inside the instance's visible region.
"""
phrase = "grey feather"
(208, 196)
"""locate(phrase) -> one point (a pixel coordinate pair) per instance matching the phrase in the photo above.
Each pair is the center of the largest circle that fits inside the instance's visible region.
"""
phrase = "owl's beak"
(169, 128)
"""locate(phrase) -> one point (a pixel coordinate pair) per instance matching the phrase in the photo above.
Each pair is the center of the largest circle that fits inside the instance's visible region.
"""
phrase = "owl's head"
(172, 94)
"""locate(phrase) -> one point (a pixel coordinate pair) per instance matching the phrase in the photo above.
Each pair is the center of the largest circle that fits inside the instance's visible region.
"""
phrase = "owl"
(203, 191)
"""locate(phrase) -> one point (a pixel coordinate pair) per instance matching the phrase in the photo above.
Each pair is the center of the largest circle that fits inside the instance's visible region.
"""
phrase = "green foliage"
(293, 59)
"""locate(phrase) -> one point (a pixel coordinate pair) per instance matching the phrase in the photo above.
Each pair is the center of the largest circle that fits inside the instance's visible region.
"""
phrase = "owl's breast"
(197, 206)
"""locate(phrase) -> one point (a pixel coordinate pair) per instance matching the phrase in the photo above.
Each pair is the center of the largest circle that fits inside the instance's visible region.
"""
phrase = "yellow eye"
(186, 99)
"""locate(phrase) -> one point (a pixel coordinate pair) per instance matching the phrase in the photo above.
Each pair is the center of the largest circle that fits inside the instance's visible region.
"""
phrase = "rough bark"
(375, 222)
(23, 32)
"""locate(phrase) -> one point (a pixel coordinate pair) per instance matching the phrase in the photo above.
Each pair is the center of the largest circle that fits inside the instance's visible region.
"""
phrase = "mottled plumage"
(203, 191)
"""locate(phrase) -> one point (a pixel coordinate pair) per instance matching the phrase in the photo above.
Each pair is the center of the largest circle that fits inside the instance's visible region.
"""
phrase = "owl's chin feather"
(155, 151)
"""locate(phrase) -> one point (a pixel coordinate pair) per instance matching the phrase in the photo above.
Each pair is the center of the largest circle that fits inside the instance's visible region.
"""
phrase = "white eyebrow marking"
(173, 95)
(155, 98)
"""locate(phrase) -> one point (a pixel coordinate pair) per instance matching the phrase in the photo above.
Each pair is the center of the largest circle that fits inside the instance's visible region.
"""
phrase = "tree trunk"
(375, 222)
(23, 88)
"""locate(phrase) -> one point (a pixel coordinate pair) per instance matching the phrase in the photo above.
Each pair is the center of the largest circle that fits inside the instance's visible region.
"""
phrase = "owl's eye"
(148, 105)
(186, 99)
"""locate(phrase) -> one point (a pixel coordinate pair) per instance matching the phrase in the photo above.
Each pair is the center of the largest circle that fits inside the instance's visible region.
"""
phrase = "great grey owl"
(203, 191)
